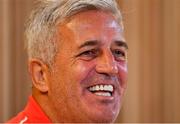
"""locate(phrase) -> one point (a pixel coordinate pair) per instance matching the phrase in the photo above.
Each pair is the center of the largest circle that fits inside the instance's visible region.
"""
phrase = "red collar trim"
(35, 113)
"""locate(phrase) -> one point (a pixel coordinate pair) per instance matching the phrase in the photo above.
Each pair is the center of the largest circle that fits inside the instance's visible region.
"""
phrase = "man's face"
(89, 75)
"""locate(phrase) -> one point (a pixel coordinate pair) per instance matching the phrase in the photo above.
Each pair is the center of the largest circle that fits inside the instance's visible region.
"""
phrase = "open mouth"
(102, 90)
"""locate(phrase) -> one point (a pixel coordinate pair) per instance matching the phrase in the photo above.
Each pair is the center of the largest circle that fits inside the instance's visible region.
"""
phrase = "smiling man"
(77, 62)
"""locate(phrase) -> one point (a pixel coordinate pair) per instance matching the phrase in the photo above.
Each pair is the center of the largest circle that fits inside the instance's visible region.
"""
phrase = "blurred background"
(152, 29)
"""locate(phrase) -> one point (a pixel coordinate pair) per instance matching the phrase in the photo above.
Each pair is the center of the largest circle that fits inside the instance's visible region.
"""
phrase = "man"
(77, 62)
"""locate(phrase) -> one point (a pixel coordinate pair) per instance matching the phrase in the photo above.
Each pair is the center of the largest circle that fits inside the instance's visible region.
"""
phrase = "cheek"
(123, 71)
(82, 69)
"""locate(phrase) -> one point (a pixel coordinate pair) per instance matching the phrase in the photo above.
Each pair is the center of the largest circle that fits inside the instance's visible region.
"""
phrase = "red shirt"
(31, 114)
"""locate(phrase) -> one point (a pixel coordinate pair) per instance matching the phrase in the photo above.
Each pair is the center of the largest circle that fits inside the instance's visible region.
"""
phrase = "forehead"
(92, 25)
(85, 20)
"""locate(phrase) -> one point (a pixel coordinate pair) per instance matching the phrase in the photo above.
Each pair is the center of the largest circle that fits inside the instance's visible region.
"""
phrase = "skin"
(92, 50)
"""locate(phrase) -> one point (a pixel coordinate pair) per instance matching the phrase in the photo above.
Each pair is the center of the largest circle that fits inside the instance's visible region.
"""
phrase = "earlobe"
(39, 71)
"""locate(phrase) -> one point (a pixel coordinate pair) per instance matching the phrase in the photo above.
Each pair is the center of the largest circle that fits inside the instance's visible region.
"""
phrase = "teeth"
(108, 88)
(103, 94)
(101, 87)
(97, 88)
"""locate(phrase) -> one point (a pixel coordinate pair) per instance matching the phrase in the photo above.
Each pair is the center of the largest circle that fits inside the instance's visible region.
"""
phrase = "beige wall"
(153, 34)
(14, 83)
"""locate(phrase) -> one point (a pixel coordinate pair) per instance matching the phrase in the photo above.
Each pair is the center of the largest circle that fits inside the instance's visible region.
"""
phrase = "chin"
(103, 116)
(104, 119)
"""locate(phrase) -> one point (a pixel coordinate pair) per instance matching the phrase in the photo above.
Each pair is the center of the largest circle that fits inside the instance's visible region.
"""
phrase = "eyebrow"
(122, 44)
(95, 42)
(89, 43)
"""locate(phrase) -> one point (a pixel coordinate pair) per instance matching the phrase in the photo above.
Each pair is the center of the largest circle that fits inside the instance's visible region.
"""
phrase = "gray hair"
(41, 27)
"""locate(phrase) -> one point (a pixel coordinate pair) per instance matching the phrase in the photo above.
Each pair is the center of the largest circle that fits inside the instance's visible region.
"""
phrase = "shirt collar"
(35, 113)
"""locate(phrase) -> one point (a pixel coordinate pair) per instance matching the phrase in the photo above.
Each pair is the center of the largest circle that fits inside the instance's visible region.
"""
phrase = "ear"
(39, 72)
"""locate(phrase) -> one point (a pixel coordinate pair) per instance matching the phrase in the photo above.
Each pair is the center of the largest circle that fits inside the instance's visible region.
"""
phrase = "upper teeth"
(102, 88)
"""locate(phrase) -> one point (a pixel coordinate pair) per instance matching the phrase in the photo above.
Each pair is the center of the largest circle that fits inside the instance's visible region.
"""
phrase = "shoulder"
(32, 113)
(20, 118)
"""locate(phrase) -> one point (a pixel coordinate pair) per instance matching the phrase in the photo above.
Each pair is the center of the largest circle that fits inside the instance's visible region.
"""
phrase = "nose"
(106, 64)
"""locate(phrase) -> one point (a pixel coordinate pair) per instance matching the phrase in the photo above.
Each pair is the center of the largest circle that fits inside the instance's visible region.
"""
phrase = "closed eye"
(89, 54)
(119, 54)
